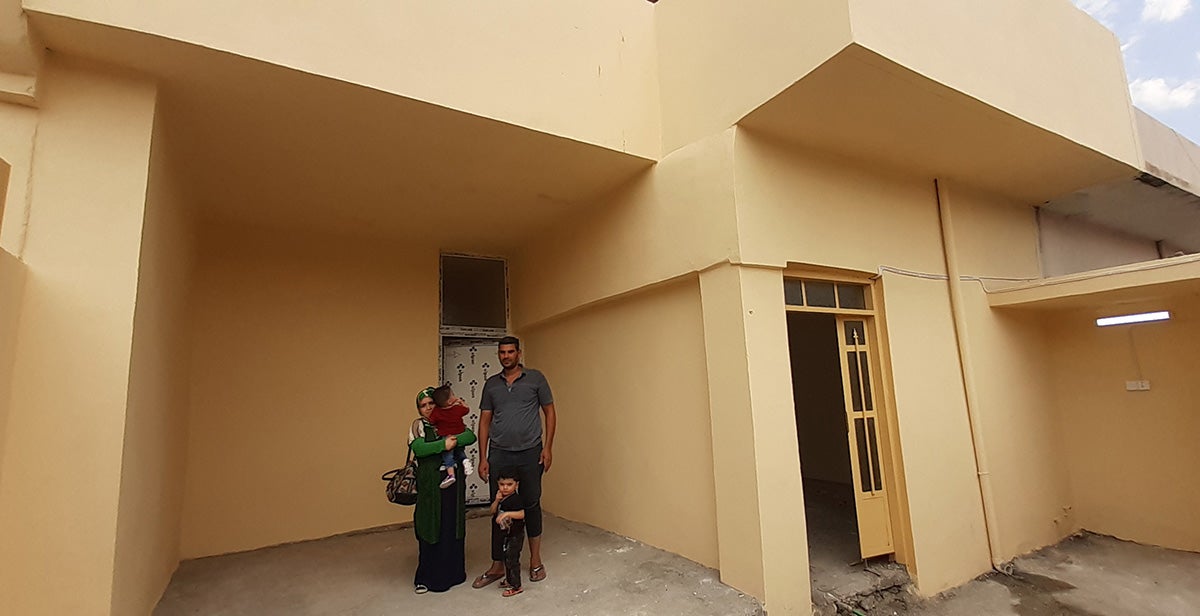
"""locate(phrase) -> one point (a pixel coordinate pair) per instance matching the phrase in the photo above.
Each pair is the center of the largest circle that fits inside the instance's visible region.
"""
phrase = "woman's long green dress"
(440, 516)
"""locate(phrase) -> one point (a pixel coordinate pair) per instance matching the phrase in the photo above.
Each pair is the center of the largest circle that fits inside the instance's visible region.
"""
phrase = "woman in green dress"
(440, 516)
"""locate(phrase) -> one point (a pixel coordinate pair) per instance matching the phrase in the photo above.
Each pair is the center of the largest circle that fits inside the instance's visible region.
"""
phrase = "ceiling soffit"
(265, 145)
(865, 107)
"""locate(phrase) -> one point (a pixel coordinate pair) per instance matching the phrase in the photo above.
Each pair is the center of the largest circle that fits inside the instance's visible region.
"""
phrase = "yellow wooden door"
(862, 420)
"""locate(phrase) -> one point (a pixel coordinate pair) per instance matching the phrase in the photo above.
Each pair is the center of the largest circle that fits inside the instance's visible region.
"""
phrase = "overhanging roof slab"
(864, 106)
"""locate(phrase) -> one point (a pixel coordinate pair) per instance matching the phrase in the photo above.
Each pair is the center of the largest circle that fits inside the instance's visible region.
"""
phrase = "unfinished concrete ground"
(835, 561)
(592, 572)
(589, 572)
(1086, 575)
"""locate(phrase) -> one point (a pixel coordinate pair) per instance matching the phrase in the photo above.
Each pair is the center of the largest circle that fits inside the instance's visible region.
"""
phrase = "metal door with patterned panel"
(870, 493)
(465, 366)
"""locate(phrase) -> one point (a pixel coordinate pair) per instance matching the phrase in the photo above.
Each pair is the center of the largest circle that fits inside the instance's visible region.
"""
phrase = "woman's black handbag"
(402, 483)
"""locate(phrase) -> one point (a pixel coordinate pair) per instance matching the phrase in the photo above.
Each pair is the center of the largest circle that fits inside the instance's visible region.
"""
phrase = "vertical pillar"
(761, 532)
(61, 470)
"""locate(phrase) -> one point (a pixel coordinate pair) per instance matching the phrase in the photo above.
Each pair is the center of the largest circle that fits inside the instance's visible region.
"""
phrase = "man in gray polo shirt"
(511, 436)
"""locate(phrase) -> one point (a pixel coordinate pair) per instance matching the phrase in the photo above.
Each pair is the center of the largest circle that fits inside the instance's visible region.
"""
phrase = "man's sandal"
(509, 592)
(537, 573)
(486, 578)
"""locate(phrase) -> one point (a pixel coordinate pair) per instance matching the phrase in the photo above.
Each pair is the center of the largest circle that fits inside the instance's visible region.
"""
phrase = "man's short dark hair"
(441, 395)
(507, 472)
(513, 340)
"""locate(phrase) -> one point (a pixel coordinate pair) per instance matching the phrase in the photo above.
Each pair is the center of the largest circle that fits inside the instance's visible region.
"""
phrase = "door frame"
(889, 437)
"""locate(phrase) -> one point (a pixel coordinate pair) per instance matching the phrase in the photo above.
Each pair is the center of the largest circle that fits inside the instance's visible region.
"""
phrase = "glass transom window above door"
(474, 293)
(824, 294)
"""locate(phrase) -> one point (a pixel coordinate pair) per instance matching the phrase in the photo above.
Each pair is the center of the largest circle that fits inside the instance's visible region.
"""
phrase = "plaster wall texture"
(1168, 154)
(997, 238)
(12, 283)
(1034, 59)
(18, 125)
(155, 443)
(948, 532)
(718, 61)
(584, 70)
(1071, 245)
(1130, 453)
(808, 208)
(17, 50)
(71, 374)
(760, 499)
(633, 452)
(307, 351)
(674, 219)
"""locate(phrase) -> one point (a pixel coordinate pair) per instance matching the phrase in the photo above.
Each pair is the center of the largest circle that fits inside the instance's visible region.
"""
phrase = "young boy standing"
(508, 513)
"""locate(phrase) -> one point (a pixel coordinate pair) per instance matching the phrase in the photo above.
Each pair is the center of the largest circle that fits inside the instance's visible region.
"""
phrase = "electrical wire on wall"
(982, 280)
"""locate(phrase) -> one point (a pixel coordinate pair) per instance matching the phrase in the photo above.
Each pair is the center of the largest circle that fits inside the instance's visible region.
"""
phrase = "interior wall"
(154, 457)
(817, 389)
(307, 351)
(633, 451)
(1132, 455)
(62, 460)
(1070, 245)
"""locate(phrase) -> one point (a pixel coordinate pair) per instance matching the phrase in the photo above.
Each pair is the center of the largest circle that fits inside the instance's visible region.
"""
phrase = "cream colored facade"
(221, 234)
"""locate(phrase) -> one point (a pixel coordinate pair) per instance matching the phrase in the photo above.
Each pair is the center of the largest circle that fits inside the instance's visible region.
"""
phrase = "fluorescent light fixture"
(1125, 319)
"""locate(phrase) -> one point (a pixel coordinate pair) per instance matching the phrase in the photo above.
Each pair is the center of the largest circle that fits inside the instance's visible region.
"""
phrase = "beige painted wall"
(1168, 154)
(949, 539)
(633, 452)
(760, 502)
(152, 465)
(1035, 59)
(18, 124)
(720, 60)
(70, 379)
(817, 389)
(1070, 245)
(585, 70)
(804, 207)
(19, 55)
(675, 219)
(997, 238)
(1131, 453)
(12, 284)
(307, 352)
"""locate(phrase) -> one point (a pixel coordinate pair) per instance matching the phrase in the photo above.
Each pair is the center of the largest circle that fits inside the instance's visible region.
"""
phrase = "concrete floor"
(598, 573)
(590, 571)
(835, 562)
(1086, 575)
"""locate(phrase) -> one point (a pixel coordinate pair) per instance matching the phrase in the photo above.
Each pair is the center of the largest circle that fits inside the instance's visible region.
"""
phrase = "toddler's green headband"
(424, 393)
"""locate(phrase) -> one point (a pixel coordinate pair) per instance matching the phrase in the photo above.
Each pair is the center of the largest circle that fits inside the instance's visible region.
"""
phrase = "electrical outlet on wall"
(1142, 385)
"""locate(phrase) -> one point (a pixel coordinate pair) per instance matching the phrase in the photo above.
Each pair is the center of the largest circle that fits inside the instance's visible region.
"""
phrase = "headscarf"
(424, 393)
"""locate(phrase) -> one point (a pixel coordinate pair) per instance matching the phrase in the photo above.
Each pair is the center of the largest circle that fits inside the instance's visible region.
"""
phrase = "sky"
(1161, 43)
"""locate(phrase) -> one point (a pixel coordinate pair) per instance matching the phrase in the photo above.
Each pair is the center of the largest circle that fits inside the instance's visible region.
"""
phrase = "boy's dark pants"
(511, 543)
(529, 474)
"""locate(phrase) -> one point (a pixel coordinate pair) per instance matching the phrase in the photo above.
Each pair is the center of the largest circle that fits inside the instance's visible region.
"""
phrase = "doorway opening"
(834, 365)
(474, 317)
